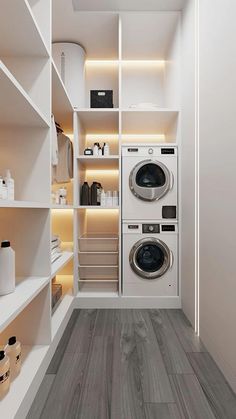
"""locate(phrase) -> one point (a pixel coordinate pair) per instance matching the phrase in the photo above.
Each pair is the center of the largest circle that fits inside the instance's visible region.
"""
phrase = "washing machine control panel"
(151, 228)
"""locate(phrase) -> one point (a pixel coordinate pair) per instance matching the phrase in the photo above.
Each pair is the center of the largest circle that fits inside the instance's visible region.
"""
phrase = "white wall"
(218, 182)
(187, 160)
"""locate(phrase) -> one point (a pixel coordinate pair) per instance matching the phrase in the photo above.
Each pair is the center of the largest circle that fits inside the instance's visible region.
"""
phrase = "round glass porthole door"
(149, 180)
(150, 258)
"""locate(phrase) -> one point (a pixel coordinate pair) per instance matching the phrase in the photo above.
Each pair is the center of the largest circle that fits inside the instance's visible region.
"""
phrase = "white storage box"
(98, 273)
(70, 62)
(98, 243)
(98, 258)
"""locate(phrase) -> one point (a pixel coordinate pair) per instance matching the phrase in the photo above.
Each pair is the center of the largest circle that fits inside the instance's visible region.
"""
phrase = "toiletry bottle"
(106, 149)
(109, 200)
(103, 198)
(85, 194)
(115, 198)
(13, 350)
(95, 149)
(99, 191)
(4, 190)
(10, 184)
(100, 151)
(1, 187)
(7, 268)
(4, 374)
(94, 193)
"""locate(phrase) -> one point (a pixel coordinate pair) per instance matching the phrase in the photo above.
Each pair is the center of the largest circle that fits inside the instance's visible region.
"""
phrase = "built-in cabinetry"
(143, 70)
(27, 77)
(138, 56)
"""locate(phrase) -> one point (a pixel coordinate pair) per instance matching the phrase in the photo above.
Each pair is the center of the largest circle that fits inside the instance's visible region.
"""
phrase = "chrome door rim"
(138, 270)
(149, 194)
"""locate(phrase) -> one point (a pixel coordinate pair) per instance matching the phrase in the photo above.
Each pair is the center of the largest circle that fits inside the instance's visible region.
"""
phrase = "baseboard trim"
(128, 302)
(227, 370)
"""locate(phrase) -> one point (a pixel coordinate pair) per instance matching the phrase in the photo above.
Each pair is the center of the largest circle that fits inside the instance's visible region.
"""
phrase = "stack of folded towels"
(55, 248)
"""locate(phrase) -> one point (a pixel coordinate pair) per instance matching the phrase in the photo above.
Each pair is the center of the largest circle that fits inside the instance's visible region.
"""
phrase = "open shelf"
(32, 358)
(96, 207)
(61, 105)
(103, 162)
(155, 123)
(58, 206)
(59, 314)
(98, 289)
(99, 121)
(26, 113)
(27, 40)
(12, 304)
(102, 75)
(4, 203)
(61, 262)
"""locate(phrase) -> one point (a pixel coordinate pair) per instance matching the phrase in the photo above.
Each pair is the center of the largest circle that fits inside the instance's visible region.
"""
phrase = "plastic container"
(70, 62)
(106, 149)
(10, 185)
(115, 198)
(13, 350)
(7, 268)
(98, 242)
(85, 194)
(109, 200)
(103, 198)
(4, 374)
(98, 273)
(98, 258)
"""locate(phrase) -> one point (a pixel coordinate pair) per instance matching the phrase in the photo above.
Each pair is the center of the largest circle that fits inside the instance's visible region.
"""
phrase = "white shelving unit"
(61, 262)
(11, 305)
(140, 67)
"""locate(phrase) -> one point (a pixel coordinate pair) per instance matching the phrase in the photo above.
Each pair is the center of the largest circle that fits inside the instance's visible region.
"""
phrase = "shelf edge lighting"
(154, 63)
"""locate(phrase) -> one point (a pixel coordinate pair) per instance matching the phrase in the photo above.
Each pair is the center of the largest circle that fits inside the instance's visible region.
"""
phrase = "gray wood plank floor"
(132, 364)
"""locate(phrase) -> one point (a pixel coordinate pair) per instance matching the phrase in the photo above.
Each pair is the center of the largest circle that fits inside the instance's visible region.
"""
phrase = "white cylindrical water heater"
(70, 62)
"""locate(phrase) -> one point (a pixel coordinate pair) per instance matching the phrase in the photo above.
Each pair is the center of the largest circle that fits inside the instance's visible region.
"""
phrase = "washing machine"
(149, 182)
(150, 258)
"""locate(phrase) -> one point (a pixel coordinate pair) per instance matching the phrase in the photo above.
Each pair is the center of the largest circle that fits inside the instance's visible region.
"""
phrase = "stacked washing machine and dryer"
(150, 220)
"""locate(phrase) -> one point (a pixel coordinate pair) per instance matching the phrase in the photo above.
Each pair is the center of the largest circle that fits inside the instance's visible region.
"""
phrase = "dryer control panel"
(151, 228)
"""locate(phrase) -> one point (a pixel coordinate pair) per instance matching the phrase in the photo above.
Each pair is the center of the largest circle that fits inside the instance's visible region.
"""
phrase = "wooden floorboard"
(183, 328)
(105, 322)
(127, 395)
(174, 357)
(217, 391)
(95, 401)
(42, 396)
(162, 411)
(132, 364)
(64, 397)
(61, 348)
(190, 398)
(82, 333)
(154, 378)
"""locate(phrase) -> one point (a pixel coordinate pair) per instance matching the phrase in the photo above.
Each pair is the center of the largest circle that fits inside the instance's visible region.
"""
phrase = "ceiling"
(128, 5)
(98, 33)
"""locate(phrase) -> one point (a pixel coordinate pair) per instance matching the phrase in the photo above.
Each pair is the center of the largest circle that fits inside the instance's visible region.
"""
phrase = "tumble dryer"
(150, 258)
(149, 182)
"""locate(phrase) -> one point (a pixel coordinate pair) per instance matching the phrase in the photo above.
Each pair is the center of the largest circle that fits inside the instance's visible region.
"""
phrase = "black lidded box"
(101, 98)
